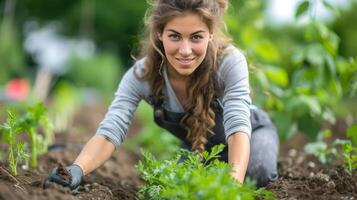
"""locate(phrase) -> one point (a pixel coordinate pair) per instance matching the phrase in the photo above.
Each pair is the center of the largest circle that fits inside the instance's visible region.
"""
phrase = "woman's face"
(185, 39)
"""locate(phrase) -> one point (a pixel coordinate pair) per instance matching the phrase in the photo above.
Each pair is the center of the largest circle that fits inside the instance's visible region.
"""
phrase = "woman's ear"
(210, 37)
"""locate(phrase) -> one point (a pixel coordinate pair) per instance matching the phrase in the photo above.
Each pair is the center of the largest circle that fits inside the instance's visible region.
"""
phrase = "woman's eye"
(174, 37)
(196, 37)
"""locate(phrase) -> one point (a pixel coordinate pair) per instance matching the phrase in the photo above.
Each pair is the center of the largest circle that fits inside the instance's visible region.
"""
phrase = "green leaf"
(329, 6)
(267, 51)
(277, 75)
(304, 104)
(331, 66)
(302, 8)
(310, 126)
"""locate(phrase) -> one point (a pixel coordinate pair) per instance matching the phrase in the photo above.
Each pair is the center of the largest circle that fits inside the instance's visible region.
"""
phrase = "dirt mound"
(303, 177)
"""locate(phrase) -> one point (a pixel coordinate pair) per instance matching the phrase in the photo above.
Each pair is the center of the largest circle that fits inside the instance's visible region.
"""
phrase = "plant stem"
(12, 159)
(33, 147)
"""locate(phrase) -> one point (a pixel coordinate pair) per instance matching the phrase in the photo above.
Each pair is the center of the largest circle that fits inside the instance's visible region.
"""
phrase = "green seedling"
(325, 154)
(35, 116)
(195, 177)
(349, 154)
(29, 123)
(10, 129)
(349, 150)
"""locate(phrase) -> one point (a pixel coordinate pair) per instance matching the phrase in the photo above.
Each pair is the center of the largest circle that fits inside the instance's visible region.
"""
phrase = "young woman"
(198, 85)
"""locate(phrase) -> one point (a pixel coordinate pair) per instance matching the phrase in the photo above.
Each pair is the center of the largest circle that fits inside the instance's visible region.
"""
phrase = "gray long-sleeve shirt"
(233, 75)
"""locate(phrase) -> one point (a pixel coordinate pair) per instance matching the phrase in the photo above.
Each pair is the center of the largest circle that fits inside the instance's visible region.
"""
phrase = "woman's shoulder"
(139, 67)
(232, 53)
(133, 78)
(232, 61)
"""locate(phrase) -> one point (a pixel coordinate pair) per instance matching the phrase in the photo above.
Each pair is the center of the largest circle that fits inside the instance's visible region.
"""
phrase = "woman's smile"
(186, 62)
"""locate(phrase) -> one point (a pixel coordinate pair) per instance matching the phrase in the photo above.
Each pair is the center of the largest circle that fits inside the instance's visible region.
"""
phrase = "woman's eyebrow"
(200, 31)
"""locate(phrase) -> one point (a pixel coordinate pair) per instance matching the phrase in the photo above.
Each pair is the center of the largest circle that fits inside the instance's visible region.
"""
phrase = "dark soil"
(301, 175)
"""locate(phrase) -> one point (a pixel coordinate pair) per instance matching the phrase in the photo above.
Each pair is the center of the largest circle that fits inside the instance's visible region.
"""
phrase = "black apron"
(171, 122)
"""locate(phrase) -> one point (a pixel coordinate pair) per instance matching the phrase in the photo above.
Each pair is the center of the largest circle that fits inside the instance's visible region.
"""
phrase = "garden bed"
(301, 175)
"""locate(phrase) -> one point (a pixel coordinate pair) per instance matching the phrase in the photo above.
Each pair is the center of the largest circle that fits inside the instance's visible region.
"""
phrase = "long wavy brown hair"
(203, 82)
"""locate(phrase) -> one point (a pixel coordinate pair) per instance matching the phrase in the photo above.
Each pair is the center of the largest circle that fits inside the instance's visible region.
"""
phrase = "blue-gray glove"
(76, 176)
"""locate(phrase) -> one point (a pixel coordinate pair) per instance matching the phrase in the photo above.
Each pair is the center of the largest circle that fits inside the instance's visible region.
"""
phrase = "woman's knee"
(262, 175)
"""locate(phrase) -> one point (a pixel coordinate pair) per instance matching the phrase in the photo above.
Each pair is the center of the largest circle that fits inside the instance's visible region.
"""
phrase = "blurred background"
(70, 53)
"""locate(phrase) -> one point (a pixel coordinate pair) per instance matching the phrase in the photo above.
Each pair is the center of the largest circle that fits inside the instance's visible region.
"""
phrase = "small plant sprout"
(35, 116)
(349, 154)
(323, 152)
(10, 129)
(349, 150)
(29, 123)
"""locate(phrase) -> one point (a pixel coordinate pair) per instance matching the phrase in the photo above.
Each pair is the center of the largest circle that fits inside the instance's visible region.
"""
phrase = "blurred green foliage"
(102, 72)
(11, 54)
(65, 103)
(112, 24)
(345, 27)
(297, 73)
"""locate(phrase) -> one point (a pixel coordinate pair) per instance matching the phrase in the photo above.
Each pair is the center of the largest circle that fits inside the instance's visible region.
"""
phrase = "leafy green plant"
(349, 150)
(325, 154)
(17, 153)
(195, 177)
(349, 154)
(29, 122)
(34, 118)
(298, 76)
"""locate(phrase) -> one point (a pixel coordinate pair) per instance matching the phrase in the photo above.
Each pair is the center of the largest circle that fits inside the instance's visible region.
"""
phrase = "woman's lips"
(185, 61)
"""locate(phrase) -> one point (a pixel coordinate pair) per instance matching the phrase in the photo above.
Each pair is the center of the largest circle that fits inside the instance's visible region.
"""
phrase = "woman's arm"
(94, 154)
(238, 154)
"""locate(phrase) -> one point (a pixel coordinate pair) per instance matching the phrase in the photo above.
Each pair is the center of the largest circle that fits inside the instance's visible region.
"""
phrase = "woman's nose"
(185, 48)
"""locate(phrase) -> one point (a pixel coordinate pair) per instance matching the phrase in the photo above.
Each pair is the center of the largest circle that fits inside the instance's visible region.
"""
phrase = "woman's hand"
(75, 173)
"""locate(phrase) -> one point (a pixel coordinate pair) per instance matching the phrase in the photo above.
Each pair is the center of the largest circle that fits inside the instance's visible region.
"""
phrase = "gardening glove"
(76, 173)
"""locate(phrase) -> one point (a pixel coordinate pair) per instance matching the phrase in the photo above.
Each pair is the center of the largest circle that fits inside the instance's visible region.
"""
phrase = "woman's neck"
(178, 84)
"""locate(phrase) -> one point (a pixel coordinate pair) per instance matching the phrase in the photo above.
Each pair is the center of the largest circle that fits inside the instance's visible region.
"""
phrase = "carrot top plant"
(29, 123)
(197, 177)
(349, 154)
(349, 150)
(34, 118)
(10, 129)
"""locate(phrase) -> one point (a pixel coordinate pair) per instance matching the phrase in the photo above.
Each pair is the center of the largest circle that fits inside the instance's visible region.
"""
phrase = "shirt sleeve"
(117, 120)
(236, 100)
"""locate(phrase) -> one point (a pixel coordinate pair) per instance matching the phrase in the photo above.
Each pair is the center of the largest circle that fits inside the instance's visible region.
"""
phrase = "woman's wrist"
(81, 167)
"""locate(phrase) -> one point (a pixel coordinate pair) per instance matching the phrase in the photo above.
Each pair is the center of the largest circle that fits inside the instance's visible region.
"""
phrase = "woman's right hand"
(74, 171)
